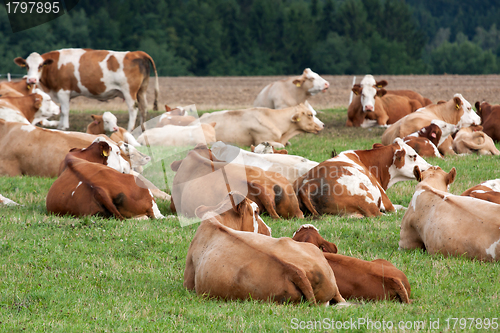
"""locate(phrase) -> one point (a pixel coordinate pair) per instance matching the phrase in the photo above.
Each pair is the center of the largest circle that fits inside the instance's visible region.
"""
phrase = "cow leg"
(63, 96)
(132, 112)
(143, 104)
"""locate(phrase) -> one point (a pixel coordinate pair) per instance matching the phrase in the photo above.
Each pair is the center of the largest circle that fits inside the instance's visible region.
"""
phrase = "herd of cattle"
(99, 172)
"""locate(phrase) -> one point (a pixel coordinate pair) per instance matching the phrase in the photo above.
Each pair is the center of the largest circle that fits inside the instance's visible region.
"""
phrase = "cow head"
(435, 177)
(262, 148)
(312, 82)
(464, 108)
(308, 233)
(109, 122)
(404, 161)
(237, 212)
(306, 120)
(46, 107)
(134, 157)
(367, 96)
(115, 160)
(369, 81)
(34, 65)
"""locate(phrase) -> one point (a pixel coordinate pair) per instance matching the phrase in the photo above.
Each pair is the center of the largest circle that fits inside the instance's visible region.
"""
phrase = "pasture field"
(63, 274)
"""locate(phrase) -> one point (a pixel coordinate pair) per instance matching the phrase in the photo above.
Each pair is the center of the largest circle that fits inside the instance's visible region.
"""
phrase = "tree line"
(277, 37)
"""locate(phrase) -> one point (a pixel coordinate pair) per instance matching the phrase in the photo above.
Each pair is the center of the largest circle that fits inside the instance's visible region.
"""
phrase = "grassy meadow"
(63, 274)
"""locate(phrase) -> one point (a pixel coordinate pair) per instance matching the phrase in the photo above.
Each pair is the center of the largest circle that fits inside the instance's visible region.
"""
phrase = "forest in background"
(277, 37)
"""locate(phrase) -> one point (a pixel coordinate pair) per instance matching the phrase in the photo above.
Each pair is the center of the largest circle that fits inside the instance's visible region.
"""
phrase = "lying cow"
(7, 202)
(179, 136)
(86, 188)
(377, 104)
(30, 150)
(488, 190)
(97, 74)
(369, 280)
(490, 117)
(291, 91)
(236, 212)
(229, 264)
(107, 124)
(30, 109)
(266, 148)
(290, 166)
(307, 233)
(471, 140)
(425, 141)
(200, 173)
(457, 111)
(354, 182)
(166, 119)
(256, 125)
(16, 88)
(455, 226)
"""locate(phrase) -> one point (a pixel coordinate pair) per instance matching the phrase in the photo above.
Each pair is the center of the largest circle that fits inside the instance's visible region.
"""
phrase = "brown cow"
(99, 74)
(236, 212)
(107, 124)
(440, 222)
(354, 182)
(229, 264)
(488, 190)
(356, 278)
(199, 174)
(457, 111)
(471, 140)
(490, 117)
(85, 188)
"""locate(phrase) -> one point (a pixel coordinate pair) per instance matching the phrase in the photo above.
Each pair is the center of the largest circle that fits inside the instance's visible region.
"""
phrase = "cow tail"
(304, 198)
(157, 84)
(99, 194)
(472, 145)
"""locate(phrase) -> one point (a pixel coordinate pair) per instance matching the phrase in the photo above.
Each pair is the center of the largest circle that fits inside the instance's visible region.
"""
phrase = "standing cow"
(102, 75)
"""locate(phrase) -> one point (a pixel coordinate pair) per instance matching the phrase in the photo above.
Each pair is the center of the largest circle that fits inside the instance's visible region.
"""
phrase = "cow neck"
(230, 193)
(26, 105)
(379, 159)
(445, 116)
(485, 113)
(282, 120)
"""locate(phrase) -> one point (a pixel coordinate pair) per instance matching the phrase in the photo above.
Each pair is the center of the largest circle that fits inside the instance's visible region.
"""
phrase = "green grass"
(62, 274)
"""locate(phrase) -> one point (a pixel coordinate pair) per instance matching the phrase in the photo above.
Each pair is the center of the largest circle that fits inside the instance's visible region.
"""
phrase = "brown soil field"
(209, 93)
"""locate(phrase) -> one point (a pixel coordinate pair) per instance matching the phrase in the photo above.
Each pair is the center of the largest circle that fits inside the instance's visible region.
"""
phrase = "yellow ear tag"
(355, 93)
(23, 65)
(104, 153)
(297, 84)
(298, 119)
(29, 86)
(457, 106)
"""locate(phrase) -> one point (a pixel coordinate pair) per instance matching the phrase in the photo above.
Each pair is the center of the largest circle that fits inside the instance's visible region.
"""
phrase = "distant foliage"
(272, 37)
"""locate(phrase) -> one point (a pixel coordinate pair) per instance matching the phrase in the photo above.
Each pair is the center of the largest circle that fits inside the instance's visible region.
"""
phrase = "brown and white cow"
(490, 117)
(86, 188)
(369, 280)
(200, 173)
(425, 141)
(472, 139)
(456, 111)
(99, 74)
(255, 125)
(229, 264)
(354, 182)
(236, 212)
(16, 88)
(377, 104)
(7, 202)
(452, 225)
(488, 190)
(291, 91)
(179, 136)
(29, 109)
(29, 150)
(107, 124)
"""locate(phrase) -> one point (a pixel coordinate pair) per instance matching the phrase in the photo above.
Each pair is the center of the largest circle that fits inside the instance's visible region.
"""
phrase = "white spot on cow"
(80, 183)
(353, 184)
(257, 218)
(156, 212)
(493, 184)
(492, 249)
(305, 226)
(28, 128)
(413, 202)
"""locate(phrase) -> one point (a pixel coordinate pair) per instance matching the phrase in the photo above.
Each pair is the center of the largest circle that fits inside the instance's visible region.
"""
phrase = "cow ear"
(175, 165)
(356, 89)
(48, 62)
(381, 84)
(381, 92)
(167, 108)
(400, 156)
(201, 210)
(252, 148)
(20, 62)
(296, 118)
(105, 148)
(298, 82)
(458, 102)
(417, 173)
(213, 124)
(450, 178)
(377, 145)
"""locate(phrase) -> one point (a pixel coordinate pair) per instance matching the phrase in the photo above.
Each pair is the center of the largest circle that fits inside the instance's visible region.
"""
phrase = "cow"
(7, 202)
(377, 104)
(490, 117)
(98, 74)
(29, 150)
(200, 173)
(290, 166)
(354, 182)
(425, 141)
(356, 278)
(236, 212)
(107, 124)
(86, 188)
(266, 148)
(291, 91)
(172, 135)
(488, 190)
(16, 88)
(473, 140)
(166, 119)
(229, 264)
(455, 226)
(29, 109)
(457, 111)
(369, 81)
(255, 125)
